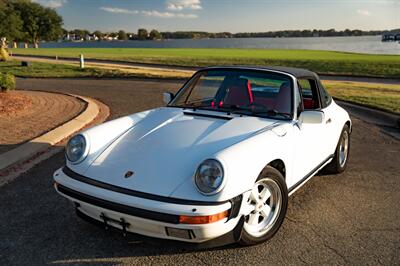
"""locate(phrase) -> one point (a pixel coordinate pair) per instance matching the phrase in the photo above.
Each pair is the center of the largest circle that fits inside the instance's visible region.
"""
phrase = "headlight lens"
(209, 177)
(76, 149)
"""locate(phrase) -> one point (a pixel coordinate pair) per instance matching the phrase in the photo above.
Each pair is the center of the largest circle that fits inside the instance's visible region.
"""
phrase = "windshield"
(248, 92)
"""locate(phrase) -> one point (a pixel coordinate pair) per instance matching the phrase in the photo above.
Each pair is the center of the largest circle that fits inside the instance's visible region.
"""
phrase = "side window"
(299, 102)
(325, 97)
(309, 92)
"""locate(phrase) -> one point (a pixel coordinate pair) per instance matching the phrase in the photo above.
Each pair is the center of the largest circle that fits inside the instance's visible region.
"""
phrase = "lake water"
(362, 44)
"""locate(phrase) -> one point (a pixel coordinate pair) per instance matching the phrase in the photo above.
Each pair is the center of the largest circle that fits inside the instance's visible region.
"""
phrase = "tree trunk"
(15, 45)
(36, 45)
(26, 45)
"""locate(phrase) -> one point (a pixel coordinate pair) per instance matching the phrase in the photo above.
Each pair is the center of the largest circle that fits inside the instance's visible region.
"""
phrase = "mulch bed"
(13, 102)
(25, 115)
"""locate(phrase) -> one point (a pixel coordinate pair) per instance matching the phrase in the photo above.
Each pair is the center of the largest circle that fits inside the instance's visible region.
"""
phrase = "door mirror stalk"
(168, 97)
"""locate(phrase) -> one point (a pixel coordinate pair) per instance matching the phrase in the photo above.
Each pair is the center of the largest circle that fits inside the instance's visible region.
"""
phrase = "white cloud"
(51, 3)
(155, 13)
(176, 5)
(118, 10)
(147, 13)
(364, 12)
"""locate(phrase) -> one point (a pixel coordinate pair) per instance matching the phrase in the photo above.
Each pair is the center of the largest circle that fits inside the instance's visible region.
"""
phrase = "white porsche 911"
(217, 164)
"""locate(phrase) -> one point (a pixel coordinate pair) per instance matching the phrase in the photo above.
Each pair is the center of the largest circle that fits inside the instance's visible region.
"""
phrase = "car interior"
(309, 92)
(254, 91)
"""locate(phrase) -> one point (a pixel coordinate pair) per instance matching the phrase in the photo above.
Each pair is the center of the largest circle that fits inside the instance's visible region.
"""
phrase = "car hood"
(164, 149)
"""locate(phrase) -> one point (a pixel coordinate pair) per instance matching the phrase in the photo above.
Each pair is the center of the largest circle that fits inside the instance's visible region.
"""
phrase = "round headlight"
(209, 177)
(76, 149)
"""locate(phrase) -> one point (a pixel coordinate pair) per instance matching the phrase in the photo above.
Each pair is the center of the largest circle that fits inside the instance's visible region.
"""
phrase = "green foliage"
(10, 22)
(122, 35)
(142, 34)
(38, 23)
(7, 82)
(155, 35)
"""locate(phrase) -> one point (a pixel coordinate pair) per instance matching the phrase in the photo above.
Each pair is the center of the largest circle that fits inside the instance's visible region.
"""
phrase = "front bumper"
(147, 216)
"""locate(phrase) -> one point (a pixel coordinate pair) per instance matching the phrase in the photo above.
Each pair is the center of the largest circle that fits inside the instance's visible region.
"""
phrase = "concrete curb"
(389, 123)
(42, 143)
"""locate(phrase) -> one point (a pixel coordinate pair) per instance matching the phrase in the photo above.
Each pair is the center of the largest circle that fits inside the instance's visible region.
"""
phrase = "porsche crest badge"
(129, 174)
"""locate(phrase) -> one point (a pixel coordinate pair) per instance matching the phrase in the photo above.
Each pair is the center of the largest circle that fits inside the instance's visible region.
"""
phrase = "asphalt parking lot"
(352, 218)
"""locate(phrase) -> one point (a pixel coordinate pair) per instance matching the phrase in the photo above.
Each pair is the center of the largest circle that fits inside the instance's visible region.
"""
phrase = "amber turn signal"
(203, 219)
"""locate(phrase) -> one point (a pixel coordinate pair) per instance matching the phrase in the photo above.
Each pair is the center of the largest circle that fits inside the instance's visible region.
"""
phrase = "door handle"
(328, 121)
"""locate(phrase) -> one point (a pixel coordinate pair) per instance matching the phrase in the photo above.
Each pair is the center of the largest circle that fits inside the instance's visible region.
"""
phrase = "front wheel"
(268, 204)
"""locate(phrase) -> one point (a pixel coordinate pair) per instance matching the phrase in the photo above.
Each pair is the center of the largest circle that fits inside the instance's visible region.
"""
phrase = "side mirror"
(311, 117)
(167, 97)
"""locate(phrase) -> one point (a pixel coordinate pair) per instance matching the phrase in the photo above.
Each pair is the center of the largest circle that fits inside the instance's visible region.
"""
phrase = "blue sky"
(227, 15)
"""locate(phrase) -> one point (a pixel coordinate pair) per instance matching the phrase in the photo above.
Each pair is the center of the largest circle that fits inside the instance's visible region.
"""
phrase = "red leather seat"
(283, 99)
(239, 93)
(308, 103)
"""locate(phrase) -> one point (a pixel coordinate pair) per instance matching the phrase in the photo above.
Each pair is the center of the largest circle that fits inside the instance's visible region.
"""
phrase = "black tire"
(272, 174)
(335, 166)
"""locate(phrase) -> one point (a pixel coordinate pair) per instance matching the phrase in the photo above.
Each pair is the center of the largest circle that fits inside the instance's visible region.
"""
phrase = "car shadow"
(43, 226)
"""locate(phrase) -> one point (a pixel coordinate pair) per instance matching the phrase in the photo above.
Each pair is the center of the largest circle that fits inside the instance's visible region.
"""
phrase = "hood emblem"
(129, 174)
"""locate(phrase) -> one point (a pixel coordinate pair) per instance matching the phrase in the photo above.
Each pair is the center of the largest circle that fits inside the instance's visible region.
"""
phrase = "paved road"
(352, 218)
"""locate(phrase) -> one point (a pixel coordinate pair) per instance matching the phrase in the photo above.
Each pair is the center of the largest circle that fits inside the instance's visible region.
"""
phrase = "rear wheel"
(268, 203)
(341, 156)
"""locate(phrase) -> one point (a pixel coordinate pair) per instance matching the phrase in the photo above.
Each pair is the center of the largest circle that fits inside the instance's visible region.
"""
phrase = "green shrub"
(7, 82)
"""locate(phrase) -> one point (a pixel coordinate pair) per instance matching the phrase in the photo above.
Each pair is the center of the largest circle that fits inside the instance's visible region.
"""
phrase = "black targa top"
(296, 72)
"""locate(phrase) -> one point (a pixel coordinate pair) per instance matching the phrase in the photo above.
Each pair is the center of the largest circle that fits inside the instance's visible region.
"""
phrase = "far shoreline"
(358, 44)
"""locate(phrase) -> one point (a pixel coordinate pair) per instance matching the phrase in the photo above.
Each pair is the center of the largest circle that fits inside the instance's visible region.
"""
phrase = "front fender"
(244, 161)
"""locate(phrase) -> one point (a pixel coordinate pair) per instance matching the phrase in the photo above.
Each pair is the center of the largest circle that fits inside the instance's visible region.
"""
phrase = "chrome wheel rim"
(265, 203)
(343, 148)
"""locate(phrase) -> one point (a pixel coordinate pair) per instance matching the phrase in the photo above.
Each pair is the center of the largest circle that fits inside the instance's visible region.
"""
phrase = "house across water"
(391, 37)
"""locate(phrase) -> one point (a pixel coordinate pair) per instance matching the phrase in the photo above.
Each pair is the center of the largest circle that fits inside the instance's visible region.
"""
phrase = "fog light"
(203, 219)
(179, 233)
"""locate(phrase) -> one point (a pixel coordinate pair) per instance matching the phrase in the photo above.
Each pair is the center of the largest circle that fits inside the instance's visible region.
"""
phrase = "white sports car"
(217, 163)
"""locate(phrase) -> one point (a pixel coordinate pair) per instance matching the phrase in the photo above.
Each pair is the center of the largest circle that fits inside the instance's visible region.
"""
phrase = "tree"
(98, 34)
(39, 23)
(142, 34)
(155, 35)
(11, 23)
(122, 35)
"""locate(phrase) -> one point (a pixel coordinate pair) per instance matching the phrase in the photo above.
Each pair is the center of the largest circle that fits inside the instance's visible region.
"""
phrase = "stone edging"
(42, 143)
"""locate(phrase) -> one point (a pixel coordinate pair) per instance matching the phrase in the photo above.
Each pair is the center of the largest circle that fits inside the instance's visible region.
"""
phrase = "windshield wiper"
(272, 113)
(239, 110)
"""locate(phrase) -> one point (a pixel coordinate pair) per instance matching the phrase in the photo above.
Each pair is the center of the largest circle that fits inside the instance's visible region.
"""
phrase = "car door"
(310, 145)
(332, 125)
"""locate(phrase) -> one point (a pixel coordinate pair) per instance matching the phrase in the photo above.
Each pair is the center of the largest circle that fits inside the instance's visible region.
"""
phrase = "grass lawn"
(46, 70)
(382, 96)
(323, 62)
